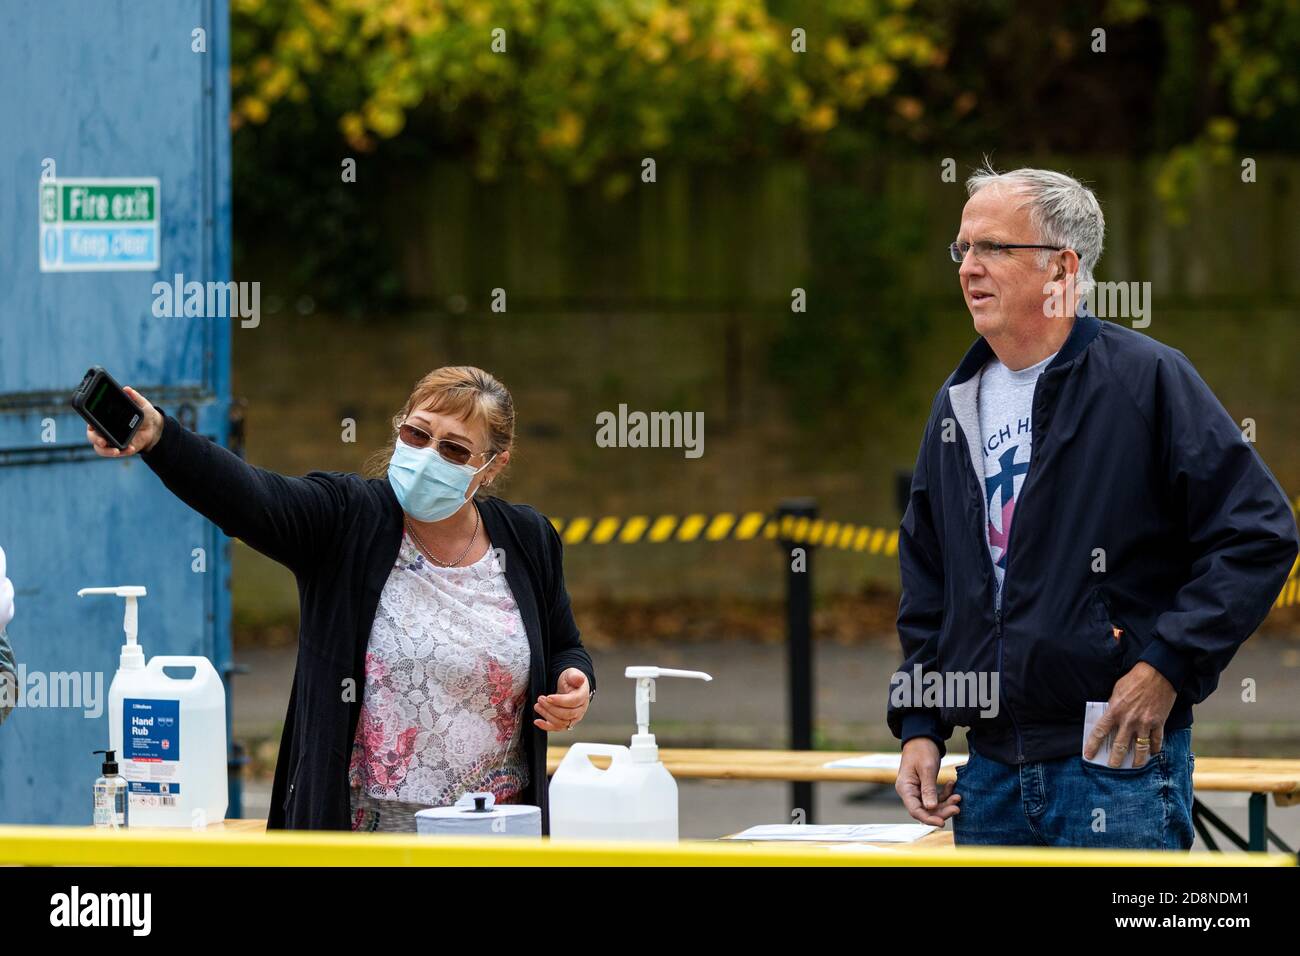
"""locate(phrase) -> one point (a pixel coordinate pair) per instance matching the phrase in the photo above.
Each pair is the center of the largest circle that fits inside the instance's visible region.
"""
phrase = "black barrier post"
(798, 618)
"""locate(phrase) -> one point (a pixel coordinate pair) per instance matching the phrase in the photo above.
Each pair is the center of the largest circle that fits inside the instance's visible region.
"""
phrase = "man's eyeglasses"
(989, 250)
(452, 451)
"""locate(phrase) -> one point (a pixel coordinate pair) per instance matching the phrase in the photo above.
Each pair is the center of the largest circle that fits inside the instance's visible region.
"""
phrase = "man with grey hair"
(1088, 527)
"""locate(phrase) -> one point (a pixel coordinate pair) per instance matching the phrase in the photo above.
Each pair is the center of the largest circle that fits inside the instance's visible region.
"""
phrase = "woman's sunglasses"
(452, 451)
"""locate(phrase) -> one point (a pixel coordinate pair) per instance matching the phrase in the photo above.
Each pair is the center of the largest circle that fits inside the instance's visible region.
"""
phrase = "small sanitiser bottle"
(111, 804)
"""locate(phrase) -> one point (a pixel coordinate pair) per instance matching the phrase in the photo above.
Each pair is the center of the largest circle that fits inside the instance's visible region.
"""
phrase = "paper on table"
(836, 832)
(886, 761)
(1092, 712)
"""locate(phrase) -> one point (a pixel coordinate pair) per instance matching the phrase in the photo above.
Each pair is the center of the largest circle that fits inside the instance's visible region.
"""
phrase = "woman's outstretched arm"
(290, 520)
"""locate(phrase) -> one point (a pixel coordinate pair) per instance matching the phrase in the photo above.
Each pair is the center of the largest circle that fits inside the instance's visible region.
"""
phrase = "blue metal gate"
(104, 89)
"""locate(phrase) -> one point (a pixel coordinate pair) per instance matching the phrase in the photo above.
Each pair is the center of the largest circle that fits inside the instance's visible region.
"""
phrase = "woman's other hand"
(144, 439)
(568, 705)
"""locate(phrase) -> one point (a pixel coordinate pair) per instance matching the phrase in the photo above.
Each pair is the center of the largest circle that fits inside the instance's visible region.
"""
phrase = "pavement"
(746, 705)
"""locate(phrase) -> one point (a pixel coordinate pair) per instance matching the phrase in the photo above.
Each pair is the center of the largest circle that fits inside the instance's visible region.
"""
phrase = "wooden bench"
(1257, 777)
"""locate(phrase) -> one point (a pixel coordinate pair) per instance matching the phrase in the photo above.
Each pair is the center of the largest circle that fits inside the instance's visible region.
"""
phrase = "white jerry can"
(635, 798)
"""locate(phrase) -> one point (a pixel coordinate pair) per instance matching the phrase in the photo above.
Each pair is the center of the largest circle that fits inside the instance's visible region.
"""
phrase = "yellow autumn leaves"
(573, 83)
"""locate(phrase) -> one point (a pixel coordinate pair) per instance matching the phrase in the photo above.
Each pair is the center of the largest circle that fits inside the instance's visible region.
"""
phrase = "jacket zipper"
(1006, 571)
(1020, 748)
(983, 534)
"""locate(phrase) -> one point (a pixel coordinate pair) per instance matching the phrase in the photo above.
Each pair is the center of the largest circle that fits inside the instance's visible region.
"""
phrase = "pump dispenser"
(644, 749)
(111, 809)
(635, 798)
(132, 657)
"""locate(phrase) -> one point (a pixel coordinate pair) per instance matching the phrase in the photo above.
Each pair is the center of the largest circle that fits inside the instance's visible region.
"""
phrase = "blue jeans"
(1070, 802)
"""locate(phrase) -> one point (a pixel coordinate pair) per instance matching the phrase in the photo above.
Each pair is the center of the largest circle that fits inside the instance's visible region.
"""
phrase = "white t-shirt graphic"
(1006, 402)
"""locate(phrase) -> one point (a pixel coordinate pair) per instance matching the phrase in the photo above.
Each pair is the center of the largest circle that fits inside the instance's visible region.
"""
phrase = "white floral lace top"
(446, 688)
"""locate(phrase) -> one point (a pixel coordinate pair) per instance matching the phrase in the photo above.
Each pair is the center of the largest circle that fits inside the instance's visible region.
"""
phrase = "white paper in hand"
(1093, 712)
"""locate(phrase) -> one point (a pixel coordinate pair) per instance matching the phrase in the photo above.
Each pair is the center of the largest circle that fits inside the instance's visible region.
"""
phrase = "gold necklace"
(430, 555)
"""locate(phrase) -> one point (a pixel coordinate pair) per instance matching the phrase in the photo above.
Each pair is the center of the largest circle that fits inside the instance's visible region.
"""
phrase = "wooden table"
(225, 826)
(1255, 776)
(240, 826)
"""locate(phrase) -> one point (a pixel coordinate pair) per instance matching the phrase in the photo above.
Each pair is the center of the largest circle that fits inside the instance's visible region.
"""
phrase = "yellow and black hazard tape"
(1291, 589)
(728, 526)
(755, 525)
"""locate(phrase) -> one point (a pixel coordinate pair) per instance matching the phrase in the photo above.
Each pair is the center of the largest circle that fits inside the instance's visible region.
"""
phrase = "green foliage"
(1258, 51)
(584, 89)
(1244, 79)
(583, 86)
(574, 86)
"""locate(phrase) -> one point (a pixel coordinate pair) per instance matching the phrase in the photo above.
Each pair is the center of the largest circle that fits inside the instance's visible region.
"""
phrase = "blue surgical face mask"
(428, 487)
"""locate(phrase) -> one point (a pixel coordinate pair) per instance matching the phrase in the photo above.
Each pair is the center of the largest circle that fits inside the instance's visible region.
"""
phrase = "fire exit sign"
(99, 224)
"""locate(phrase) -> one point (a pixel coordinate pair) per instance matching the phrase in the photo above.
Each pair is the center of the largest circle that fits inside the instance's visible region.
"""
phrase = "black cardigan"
(339, 534)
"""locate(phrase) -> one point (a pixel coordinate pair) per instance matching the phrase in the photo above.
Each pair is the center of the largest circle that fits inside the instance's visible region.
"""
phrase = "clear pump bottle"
(111, 804)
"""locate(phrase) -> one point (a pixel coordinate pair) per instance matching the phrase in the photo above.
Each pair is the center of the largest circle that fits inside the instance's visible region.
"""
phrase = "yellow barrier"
(80, 846)
(752, 525)
(1291, 589)
(727, 526)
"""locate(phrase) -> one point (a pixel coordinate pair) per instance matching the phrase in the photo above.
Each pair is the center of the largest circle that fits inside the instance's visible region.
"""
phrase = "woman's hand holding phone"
(146, 435)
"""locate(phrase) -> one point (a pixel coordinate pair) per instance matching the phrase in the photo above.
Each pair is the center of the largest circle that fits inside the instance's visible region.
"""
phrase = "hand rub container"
(169, 732)
(635, 798)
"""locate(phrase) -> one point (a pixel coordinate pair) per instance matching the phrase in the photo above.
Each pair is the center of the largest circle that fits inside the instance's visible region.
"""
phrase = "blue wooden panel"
(70, 541)
(105, 88)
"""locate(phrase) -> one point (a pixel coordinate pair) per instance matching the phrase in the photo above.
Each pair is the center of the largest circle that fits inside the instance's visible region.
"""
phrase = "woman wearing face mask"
(434, 618)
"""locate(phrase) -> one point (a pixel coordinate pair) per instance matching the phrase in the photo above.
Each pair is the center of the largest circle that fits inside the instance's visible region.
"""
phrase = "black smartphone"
(108, 409)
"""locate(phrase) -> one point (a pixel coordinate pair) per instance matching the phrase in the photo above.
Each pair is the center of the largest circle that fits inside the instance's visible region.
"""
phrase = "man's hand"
(1137, 710)
(918, 774)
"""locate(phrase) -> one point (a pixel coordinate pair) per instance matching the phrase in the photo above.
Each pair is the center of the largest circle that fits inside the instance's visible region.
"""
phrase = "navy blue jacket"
(1132, 454)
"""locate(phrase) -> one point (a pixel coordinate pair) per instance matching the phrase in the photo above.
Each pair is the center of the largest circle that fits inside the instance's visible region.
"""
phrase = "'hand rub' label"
(151, 751)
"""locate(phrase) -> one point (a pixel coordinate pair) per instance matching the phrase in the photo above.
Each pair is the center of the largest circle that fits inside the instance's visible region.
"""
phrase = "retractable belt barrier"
(758, 525)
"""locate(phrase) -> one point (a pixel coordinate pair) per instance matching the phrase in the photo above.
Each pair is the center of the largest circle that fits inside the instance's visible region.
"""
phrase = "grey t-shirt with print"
(1006, 400)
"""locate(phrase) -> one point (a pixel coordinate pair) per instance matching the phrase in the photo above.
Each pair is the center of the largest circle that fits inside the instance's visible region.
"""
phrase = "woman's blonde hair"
(461, 391)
